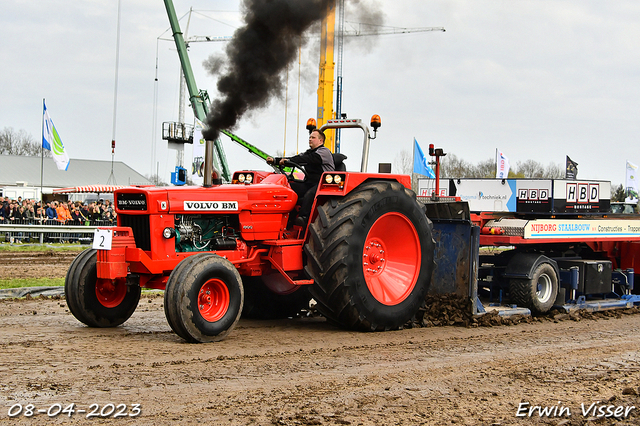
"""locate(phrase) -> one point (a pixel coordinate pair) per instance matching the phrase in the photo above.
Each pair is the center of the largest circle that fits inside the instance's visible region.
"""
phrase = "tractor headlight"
(333, 179)
(241, 178)
(169, 233)
(249, 178)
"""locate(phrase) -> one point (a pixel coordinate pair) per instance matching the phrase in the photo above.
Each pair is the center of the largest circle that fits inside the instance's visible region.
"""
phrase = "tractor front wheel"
(98, 302)
(204, 298)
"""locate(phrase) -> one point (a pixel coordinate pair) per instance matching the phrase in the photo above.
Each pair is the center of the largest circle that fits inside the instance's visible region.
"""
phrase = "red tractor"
(366, 256)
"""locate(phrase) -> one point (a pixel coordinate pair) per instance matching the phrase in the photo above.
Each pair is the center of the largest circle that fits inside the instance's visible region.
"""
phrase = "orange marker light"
(375, 121)
(311, 124)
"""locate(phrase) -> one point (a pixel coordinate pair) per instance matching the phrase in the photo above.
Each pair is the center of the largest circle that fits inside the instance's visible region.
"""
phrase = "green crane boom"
(252, 148)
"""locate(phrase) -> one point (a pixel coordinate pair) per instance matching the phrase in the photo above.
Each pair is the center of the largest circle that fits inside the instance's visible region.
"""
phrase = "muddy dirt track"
(43, 264)
(306, 372)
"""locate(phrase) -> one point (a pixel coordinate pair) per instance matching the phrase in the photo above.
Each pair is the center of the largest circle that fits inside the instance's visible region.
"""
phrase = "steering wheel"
(293, 166)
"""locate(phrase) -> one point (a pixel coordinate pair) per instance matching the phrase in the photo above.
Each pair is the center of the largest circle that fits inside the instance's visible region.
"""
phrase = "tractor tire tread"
(80, 288)
(327, 261)
(170, 293)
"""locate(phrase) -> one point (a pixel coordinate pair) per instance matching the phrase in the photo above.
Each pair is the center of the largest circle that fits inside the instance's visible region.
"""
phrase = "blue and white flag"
(502, 165)
(420, 164)
(51, 141)
(631, 185)
(197, 167)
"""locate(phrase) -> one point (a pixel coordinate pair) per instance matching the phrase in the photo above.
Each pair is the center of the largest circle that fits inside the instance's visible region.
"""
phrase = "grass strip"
(31, 282)
(41, 247)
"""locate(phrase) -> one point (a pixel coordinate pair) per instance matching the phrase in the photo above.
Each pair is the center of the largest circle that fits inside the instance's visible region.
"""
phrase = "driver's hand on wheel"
(280, 161)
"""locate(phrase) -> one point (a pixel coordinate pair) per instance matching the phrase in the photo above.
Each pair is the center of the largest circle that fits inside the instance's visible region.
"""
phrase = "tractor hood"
(269, 196)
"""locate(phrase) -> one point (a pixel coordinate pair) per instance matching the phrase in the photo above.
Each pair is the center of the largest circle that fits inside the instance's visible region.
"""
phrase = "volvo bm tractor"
(220, 251)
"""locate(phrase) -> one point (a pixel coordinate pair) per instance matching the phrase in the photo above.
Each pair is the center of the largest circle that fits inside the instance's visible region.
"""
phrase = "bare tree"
(453, 167)
(618, 193)
(403, 163)
(533, 170)
(486, 169)
(554, 171)
(19, 143)
(156, 180)
(530, 169)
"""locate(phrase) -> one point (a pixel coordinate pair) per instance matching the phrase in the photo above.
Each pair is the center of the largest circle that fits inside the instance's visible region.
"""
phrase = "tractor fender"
(354, 182)
(523, 265)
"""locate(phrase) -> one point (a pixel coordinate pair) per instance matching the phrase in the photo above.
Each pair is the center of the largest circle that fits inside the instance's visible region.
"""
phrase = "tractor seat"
(338, 162)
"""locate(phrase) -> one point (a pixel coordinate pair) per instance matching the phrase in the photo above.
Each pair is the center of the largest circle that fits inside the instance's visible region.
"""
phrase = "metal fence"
(28, 230)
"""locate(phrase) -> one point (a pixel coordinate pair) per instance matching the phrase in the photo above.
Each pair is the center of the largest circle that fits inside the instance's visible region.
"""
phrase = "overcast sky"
(537, 79)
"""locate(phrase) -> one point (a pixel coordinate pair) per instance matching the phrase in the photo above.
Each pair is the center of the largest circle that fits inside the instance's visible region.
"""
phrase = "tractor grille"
(140, 226)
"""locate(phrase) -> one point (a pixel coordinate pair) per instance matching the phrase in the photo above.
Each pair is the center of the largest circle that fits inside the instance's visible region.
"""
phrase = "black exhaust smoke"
(256, 57)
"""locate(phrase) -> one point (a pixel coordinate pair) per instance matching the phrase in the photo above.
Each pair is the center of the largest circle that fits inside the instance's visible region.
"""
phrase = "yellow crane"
(327, 65)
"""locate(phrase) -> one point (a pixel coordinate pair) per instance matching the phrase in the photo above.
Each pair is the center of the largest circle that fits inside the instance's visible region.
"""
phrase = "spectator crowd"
(58, 212)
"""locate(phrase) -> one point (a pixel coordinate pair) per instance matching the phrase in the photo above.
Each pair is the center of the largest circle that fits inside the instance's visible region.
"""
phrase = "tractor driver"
(316, 160)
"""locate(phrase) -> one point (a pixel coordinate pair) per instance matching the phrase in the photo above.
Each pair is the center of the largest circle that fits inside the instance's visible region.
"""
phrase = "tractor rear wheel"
(98, 302)
(538, 293)
(371, 256)
(204, 298)
(272, 297)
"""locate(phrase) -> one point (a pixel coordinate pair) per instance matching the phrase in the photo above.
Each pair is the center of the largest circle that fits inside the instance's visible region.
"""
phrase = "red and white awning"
(100, 189)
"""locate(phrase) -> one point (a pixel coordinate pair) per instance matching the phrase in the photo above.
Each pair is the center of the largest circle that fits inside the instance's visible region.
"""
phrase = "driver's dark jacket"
(315, 161)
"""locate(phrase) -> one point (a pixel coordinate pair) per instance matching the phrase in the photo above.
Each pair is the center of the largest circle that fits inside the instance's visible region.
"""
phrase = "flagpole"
(42, 157)
(496, 163)
(413, 160)
(626, 180)
(112, 177)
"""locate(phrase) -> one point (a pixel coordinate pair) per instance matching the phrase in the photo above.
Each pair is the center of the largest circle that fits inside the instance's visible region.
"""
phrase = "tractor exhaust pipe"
(208, 164)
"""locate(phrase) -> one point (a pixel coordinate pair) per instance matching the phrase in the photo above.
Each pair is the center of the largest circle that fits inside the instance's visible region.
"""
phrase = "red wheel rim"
(110, 293)
(391, 258)
(213, 300)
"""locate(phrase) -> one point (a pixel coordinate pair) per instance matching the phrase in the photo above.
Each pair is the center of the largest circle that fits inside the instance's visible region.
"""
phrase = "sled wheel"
(97, 302)
(371, 257)
(272, 297)
(207, 296)
(538, 293)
